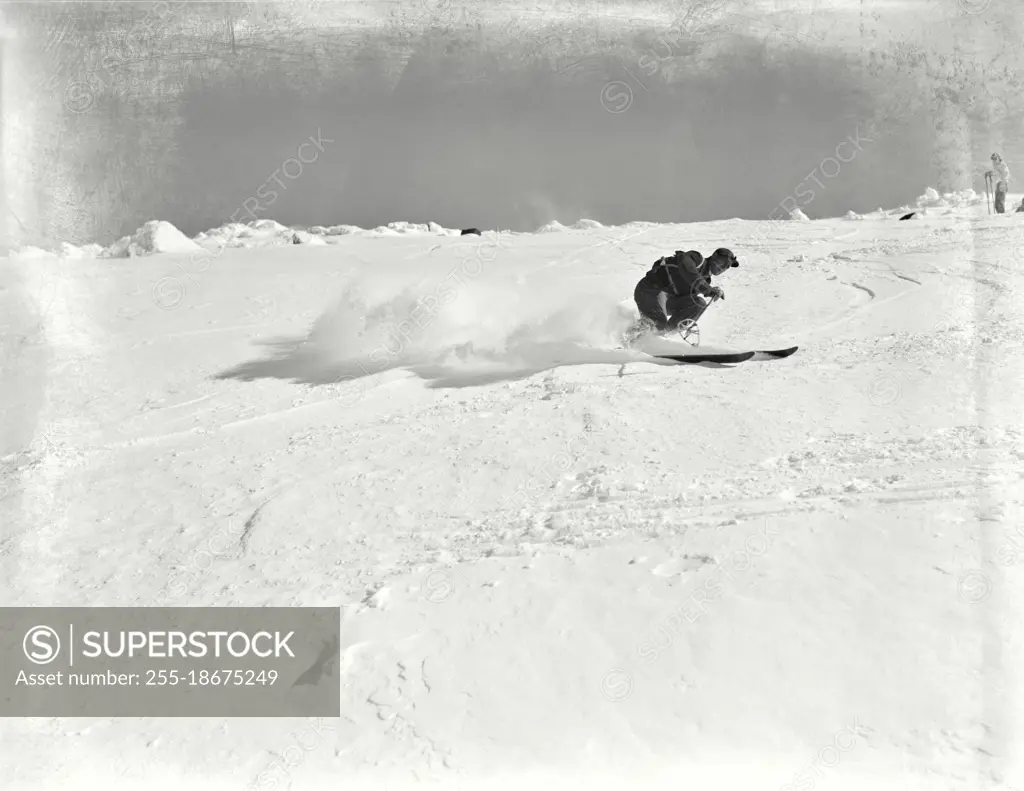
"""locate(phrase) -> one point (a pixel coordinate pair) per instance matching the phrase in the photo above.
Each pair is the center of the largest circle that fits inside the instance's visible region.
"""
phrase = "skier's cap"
(726, 254)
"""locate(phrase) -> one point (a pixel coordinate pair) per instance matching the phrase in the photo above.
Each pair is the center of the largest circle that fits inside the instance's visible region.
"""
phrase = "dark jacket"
(680, 274)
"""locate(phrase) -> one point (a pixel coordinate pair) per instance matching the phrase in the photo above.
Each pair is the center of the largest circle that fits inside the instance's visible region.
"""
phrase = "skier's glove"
(716, 293)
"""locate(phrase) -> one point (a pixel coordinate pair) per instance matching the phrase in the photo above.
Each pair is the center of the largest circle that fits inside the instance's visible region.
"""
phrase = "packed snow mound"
(586, 225)
(223, 231)
(412, 228)
(29, 252)
(334, 230)
(268, 225)
(68, 250)
(304, 237)
(551, 227)
(931, 199)
(156, 236)
(798, 216)
(948, 200)
(256, 234)
(65, 250)
(226, 235)
(269, 233)
(391, 229)
(399, 228)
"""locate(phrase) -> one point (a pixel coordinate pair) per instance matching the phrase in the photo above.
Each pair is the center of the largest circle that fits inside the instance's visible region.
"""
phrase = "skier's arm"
(693, 279)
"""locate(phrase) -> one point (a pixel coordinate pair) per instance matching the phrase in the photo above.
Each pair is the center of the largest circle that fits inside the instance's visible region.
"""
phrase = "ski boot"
(638, 329)
(687, 331)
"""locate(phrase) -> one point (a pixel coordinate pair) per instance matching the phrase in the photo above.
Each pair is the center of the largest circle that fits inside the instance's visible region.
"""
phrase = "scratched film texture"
(488, 115)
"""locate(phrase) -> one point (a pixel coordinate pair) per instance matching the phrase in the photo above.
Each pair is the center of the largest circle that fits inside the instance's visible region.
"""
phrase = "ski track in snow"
(570, 511)
(865, 289)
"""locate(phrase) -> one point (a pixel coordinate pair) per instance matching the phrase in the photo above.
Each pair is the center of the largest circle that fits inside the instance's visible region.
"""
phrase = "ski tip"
(779, 352)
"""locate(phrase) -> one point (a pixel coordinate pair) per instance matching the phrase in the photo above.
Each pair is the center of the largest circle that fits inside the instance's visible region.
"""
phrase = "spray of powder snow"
(498, 323)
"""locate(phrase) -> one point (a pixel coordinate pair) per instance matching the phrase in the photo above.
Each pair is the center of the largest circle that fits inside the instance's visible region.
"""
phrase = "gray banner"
(170, 662)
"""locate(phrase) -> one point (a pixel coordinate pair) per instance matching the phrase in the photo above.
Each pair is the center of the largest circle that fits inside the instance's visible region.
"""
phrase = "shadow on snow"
(301, 362)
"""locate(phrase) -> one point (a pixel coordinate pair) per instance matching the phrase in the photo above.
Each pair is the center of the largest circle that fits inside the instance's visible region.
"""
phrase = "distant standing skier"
(1000, 170)
(671, 292)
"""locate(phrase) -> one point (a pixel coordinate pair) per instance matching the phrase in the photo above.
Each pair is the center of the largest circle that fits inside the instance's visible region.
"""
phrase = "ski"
(775, 354)
(709, 357)
(728, 357)
(679, 351)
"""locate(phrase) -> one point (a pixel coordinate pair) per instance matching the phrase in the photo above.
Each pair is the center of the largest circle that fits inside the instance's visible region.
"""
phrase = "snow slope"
(559, 565)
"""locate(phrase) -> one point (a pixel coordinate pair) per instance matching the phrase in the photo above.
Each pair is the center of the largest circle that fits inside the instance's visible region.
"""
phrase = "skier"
(671, 292)
(1000, 169)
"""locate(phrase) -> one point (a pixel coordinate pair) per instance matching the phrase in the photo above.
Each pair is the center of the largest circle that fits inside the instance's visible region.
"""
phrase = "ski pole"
(701, 313)
(691, 324)
(707, 305)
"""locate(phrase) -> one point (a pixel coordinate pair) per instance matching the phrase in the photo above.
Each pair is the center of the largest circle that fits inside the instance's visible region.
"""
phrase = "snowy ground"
(558, 565)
